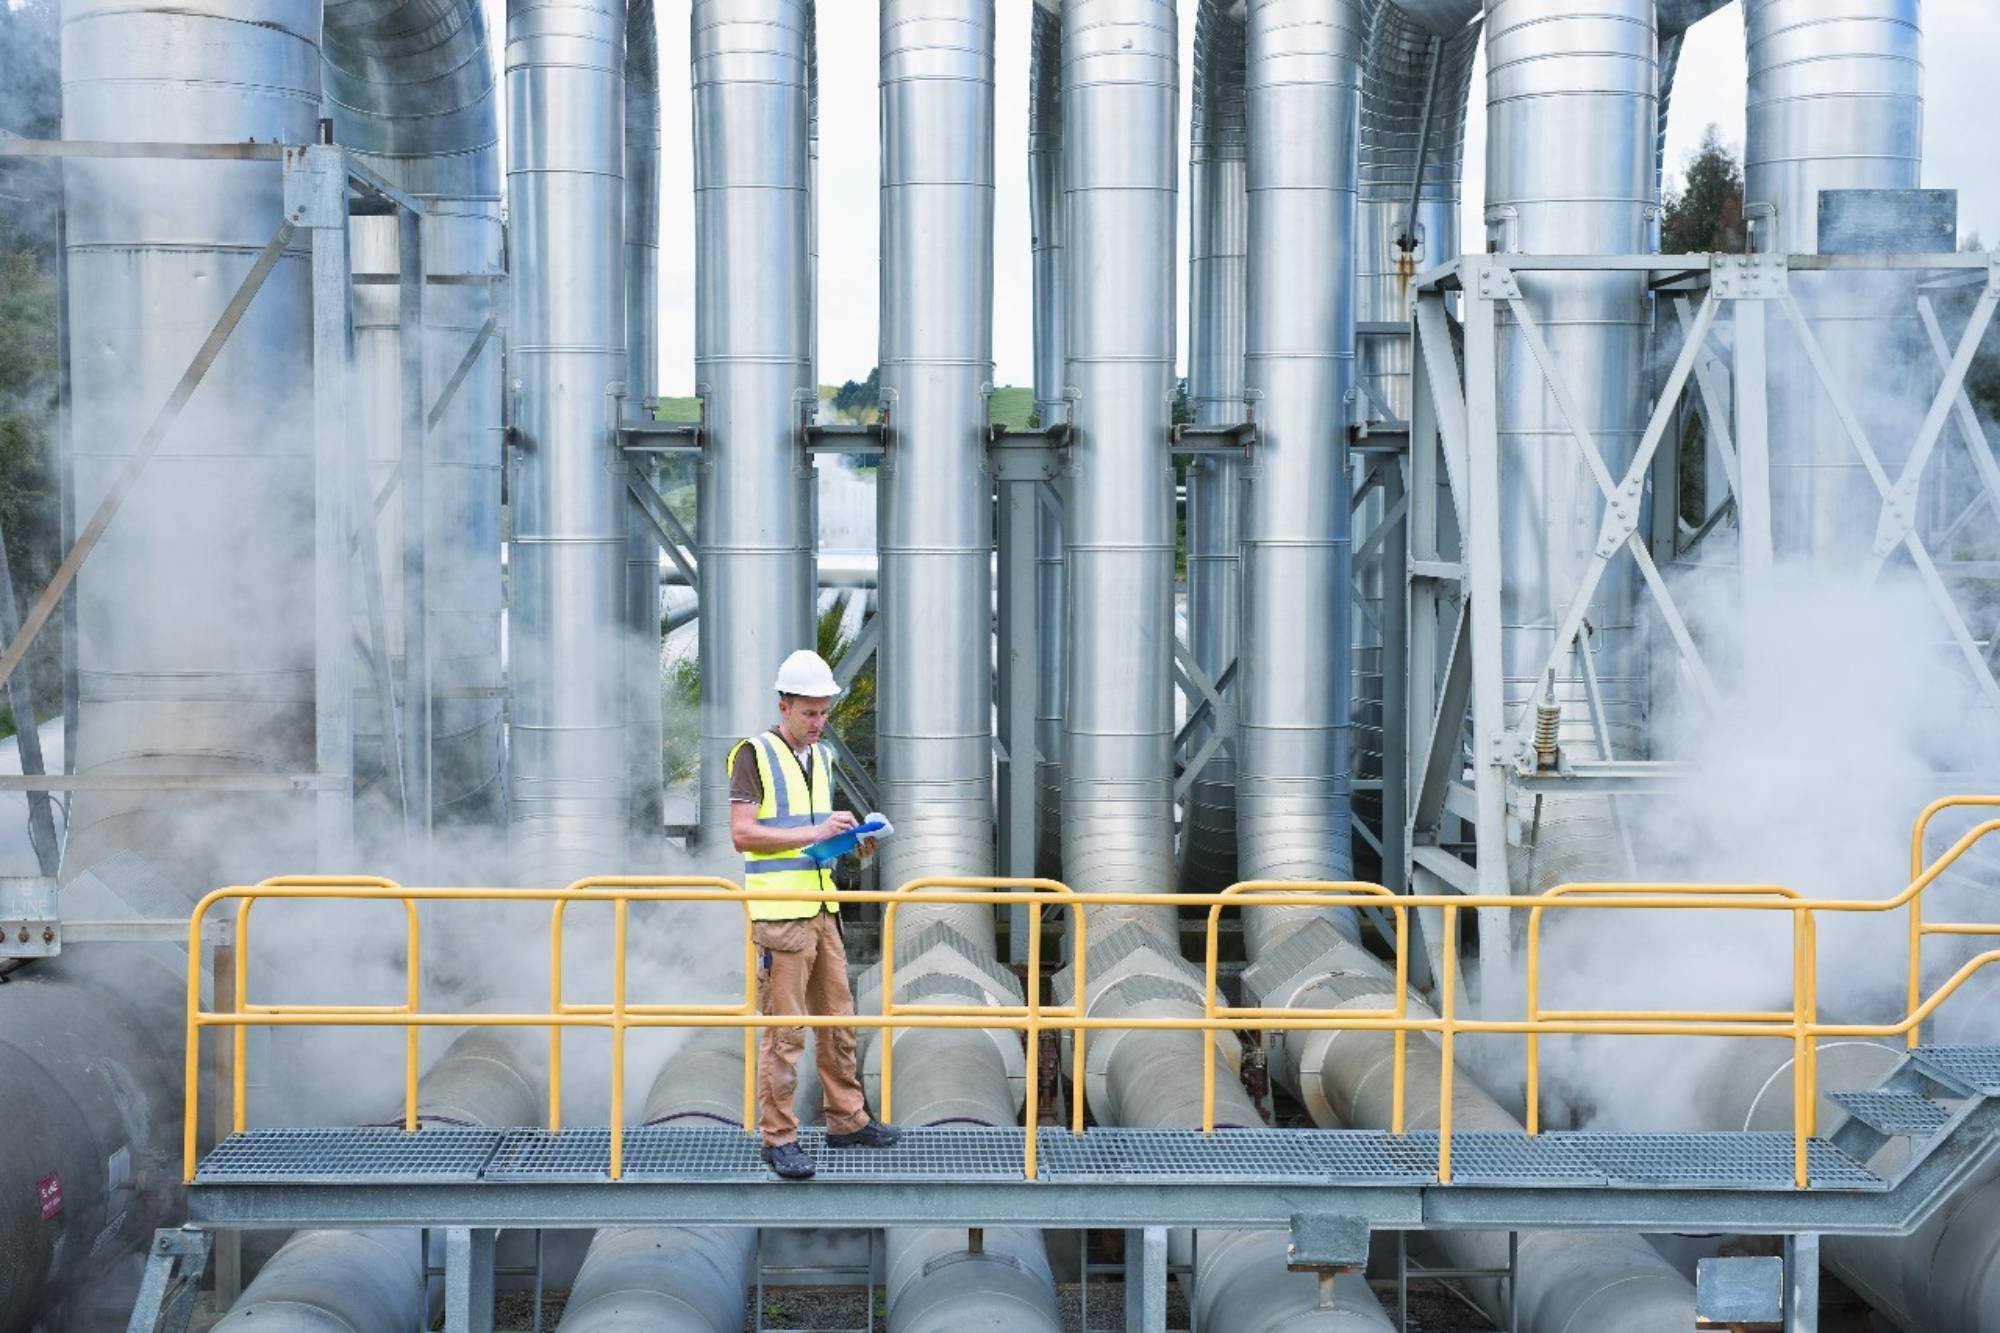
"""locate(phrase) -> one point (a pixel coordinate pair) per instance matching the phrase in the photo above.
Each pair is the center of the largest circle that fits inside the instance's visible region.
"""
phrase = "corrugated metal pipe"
(673, 1279)
(935, 514)
(568, 807)
(645, 731)
(753, 365)
(1120, 86)
(1587, 76)
(1218, 242)
(1046, 223)
(374, 1281)
(1569, 1281)
(1302, 92)
(1153, 1080)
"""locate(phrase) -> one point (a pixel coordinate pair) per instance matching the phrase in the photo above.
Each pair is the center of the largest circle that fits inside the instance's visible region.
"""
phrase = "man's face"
(803, 718)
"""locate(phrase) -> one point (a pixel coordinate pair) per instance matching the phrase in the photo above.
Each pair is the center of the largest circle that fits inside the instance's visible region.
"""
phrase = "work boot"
(790, 1161)
(874, 1134)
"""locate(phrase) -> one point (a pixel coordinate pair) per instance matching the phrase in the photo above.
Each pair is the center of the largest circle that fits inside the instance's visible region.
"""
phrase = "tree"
(857, 398)
(1706, 212)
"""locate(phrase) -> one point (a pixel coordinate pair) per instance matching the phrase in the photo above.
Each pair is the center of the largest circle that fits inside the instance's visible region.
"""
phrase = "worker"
(781, 800)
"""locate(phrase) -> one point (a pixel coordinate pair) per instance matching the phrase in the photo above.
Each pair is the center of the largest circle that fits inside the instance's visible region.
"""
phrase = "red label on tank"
(49, 1190)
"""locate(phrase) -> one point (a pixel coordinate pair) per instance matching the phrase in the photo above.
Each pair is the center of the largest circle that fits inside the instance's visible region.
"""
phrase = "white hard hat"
(806, 672)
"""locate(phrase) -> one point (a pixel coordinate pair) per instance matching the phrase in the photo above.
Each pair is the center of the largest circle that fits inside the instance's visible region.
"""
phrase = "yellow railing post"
(888, 1037)
(1449, 1012)
(557, 1004)
(619, 913)
(1031, 1100)
(1400, 1080)
(413, 948)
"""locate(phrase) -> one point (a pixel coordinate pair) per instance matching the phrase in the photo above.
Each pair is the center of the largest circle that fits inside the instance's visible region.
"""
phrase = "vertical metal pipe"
(1045, 212)
(565, 174)
(1302, 78)
(1588, 76)
(1835, 101)
(645, 730)
(415, 471)
(192, 656)
(1120, 79)
(934, 727)
(753, 355)
(1218, 240)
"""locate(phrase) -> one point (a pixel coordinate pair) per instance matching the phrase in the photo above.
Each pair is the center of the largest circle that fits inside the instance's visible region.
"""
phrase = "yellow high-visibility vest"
(791, 800)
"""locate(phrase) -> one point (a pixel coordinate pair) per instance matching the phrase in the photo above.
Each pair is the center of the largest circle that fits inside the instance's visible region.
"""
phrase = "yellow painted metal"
(1799, 1025)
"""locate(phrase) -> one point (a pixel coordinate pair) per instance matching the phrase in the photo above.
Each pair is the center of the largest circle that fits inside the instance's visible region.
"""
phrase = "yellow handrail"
(1799, 1024)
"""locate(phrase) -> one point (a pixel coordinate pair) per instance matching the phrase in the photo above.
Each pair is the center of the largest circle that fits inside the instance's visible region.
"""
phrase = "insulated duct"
(1120, 82)
(1569, 1281)
(194, 649)
(1302, 93)
(934, 726)
(1218, 242)
(1152, 1079)
(1413, 102)
(1571, 169)
(645, 732)
(1835, 102)
(1045, 217)
(1944, 1277)
(673, 1279)
(87, 1082)
(568, 807)
(416, 103)
(375, 1281)
(753, 366)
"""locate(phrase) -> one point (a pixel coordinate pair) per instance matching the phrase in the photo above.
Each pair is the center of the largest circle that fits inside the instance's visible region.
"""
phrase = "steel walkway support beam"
(1146, 1280)
(468, 1279)
(1802, 1283)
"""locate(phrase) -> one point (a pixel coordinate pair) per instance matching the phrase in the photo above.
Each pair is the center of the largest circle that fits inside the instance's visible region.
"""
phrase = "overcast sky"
(1962, 54)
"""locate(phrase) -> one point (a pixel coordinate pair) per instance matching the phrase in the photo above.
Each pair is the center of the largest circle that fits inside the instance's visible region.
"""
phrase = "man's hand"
(839, 822)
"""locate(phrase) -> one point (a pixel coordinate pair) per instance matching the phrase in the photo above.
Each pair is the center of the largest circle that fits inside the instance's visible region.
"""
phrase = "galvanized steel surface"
(1046, 220)
(644, 739)
(753, 366)
(1120, 79)
(565, 171)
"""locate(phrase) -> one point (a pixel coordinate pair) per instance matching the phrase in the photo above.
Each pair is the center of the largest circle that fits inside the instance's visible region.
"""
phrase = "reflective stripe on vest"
(791, 799)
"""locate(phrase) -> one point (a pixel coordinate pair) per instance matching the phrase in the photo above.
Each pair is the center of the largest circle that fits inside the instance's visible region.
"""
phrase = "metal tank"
(1571, 169)
(1120, 80)
(567, 809)
(194, 653)
(1302, 93)
(1218, 247)
(753, 366)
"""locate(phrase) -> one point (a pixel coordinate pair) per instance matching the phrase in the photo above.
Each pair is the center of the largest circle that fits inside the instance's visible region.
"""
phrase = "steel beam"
(468, 1279)
(1146, 1280)
(417, 720)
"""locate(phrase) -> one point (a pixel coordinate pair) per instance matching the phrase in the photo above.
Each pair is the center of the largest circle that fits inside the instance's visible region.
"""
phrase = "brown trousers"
(802, 969)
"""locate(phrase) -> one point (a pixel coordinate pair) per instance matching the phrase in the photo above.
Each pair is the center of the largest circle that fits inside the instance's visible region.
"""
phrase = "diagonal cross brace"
(674, 538)
(1968, 421)
(1621, 516)
(1919, 556)
(1899, 502)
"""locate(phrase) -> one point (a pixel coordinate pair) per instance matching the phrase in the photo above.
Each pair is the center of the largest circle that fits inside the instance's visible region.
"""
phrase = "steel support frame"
(1452, 552)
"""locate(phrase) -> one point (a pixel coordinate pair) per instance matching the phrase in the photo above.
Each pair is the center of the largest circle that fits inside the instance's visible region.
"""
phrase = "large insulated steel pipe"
(753, 365)
(1120, 81)
(644, 737)
(1045, 219)
(1150, 1079)
(416, 102)
(934, 727)
(1218, 243)
(1303, 94)
(195, 653)
(1835, 101)
(1944, 1277)
(375, 1281)
(568, 807)
(1569, 1281)
(1572, 114)
(673, 1279)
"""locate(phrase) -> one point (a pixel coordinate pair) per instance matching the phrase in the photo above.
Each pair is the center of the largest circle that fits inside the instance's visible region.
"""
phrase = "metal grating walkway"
(1894, 1112)
(714, 1154)
(1976, 1066)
